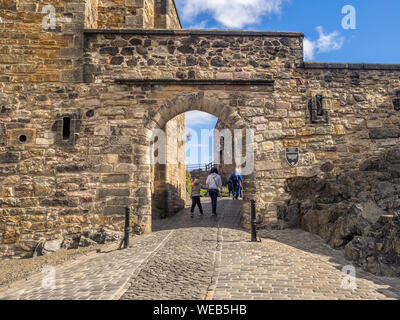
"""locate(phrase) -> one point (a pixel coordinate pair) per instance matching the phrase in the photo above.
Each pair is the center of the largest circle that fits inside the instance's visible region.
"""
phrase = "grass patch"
(225, 192)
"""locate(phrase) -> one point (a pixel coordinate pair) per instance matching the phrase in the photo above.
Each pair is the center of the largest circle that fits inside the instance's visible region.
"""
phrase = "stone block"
(339, 129)
(134, 3)
(111, 210)
(268, 146)
(134, 21)
(42, 190)
(22, 137)
(8, 4)
(116, 178)
(75, 7)
(71, 75)
(305, 131)
(283, 105)
(384, 133)
(267, 165)
(60, 202)
(295, 123)
(71, 53)
(103, 193)
(10, 157)
(371, 124)
(6, 192)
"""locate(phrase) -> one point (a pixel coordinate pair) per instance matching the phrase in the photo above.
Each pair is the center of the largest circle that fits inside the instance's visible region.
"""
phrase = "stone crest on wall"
(292, 156)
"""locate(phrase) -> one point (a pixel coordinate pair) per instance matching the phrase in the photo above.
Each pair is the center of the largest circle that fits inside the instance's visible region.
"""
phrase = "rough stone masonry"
(78, 102)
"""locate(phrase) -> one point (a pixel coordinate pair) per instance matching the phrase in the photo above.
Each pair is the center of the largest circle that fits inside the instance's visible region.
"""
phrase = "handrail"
(202, 167)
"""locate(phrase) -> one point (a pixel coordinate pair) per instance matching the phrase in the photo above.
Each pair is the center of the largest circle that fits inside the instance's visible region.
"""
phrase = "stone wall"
(230, 62)
(50, 180)
(31, 54)
(166, 15)
(362, 119)
(91, 14)
(357, 210)
(138, 14)
(77, 109)
(169, 180)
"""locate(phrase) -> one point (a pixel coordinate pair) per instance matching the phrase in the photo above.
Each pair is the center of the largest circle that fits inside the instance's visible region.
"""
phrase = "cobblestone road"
(209, 258)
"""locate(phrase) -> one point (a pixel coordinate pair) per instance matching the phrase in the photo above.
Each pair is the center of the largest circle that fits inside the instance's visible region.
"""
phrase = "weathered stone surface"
(384, 133)
(103, 236)
(112, 87)
(358, 211)
(86, 242)
(47, 247)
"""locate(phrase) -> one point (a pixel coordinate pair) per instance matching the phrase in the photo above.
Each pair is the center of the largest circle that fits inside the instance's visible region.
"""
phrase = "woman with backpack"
(213, 184)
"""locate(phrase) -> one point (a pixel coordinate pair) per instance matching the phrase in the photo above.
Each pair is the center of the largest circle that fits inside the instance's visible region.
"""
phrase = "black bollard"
(253, 221)
(127, 228)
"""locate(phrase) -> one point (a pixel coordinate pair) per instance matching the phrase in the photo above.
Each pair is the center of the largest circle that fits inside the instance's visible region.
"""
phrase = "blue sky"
(199, 151)
(374, 39)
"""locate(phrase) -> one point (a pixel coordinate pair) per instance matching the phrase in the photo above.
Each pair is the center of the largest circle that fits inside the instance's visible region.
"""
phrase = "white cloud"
(200, 25)
(309, 48)
(230, 13)
(325, 43)
(200, 119)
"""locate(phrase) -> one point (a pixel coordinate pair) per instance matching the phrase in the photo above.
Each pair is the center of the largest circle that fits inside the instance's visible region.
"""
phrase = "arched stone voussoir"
(149, 125)
(211, 106)
(190, 102)
(225, 115)
(240, 124)
(144, 134)
(177, 108)
(234, 120)
(195, 100)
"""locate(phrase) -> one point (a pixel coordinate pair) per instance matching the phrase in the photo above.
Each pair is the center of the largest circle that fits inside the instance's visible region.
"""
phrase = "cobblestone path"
(184, 269)
(210, 258)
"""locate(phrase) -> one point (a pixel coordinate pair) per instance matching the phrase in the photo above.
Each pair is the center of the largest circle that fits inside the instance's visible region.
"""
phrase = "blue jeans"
(214, 196)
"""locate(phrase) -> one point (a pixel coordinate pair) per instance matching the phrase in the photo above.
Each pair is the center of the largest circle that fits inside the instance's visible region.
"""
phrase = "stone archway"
(157, 119)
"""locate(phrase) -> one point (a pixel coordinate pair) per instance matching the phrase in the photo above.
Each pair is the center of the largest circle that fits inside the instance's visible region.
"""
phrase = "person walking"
(234, 180)
(230, 188)
(237, 180)
(213, 184)
(240, 184)
(196, 197)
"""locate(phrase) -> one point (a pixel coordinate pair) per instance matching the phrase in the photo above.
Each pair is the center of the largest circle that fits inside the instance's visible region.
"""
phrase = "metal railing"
(202, 167)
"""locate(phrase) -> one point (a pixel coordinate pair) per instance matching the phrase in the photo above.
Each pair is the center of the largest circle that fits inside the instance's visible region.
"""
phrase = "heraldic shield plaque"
(292, 156)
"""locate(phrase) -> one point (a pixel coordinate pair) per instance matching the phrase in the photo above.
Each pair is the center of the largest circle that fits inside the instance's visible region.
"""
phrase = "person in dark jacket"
(237, 181)
(196, 197)
(230, 188)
